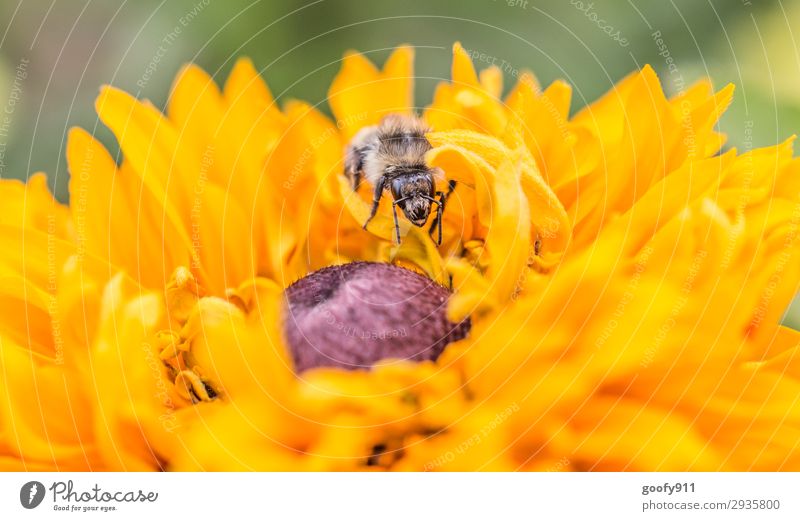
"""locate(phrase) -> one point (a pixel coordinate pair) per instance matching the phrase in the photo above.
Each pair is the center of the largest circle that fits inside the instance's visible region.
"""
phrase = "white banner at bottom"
(403, 496)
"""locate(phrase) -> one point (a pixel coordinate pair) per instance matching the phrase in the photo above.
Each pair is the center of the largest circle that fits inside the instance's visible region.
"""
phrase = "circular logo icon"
(31, 494)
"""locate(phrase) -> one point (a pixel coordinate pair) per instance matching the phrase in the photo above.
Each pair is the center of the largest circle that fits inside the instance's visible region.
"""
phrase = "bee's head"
(414, 191)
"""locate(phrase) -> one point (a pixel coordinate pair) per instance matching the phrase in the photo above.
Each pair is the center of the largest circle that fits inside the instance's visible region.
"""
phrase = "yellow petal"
(463, 72)
(661, 440)
(360, 95)
(151, 148)
(45, 415)
(101, 199)
(549, 218)
(491, 80)
(195, 106)
(222, 239)
(31, 205)
(509, 237)
(380, 225)
(133, 402)
(244, 356)
(419, 248)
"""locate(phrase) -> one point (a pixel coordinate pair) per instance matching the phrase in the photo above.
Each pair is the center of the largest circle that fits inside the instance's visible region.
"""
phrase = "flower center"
(353, 315)
(350, 316)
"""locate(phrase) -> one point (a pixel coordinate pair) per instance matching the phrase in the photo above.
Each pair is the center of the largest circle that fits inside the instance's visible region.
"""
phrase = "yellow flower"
(618, 283)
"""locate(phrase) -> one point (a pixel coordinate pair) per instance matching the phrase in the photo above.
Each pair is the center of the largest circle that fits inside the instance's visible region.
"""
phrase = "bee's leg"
(439, 214)
(376, 198)
(354, 165)
(439, 211)
(451, 185)
(437, 221)
(396, 222)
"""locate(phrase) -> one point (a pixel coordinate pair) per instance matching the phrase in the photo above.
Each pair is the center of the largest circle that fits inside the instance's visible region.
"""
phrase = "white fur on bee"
(396, 144)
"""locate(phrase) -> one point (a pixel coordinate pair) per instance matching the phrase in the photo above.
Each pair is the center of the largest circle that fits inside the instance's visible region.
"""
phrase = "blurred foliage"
(71, 48)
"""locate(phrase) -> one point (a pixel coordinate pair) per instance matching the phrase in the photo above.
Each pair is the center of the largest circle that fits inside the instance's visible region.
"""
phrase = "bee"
(391, 157)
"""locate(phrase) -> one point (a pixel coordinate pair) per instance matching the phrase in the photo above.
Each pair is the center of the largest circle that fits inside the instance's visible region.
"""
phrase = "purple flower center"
(352, 316)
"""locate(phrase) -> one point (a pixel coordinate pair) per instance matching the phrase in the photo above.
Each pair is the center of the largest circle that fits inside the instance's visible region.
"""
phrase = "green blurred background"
(54, 54)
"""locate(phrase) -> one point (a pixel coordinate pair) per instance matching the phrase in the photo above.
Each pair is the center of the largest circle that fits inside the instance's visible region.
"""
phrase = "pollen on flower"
(183, 299)
(354, 315)
(182, 293)
(171, 344)
(192, 388)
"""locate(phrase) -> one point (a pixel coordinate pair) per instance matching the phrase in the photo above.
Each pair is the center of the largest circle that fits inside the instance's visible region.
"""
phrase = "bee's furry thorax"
(399, 147)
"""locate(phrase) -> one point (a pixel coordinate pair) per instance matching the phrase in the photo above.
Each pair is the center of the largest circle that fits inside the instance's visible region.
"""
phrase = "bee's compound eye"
(397, 188)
